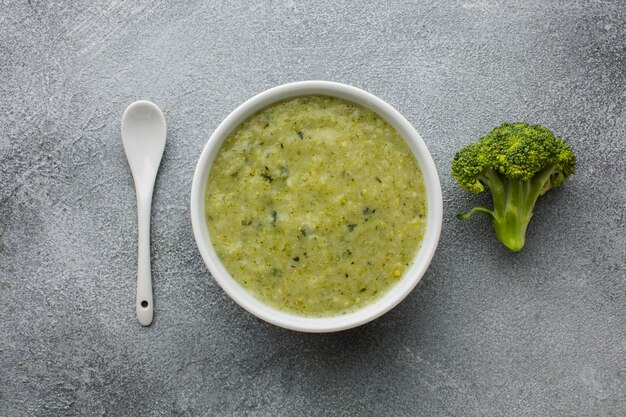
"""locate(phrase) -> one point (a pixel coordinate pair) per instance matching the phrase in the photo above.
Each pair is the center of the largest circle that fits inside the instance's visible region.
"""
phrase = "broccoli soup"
(316, 206)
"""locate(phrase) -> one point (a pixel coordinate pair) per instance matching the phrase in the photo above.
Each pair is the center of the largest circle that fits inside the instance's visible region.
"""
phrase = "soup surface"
(316, 205)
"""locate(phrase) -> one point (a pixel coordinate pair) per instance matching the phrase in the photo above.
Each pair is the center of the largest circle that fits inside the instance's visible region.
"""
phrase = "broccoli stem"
(513, 204)
(495, 184)
(511, 222)
(478, 209)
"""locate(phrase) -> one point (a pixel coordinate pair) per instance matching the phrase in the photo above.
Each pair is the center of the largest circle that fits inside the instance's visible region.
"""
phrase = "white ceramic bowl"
(410, 277)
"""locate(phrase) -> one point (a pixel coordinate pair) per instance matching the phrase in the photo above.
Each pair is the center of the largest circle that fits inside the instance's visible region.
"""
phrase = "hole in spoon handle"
(145, 311)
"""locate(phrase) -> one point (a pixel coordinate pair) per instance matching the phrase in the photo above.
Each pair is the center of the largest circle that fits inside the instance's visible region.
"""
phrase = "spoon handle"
(144, 303)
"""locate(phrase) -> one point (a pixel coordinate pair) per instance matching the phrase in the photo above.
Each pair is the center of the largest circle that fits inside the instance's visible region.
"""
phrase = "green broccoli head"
(518, 163)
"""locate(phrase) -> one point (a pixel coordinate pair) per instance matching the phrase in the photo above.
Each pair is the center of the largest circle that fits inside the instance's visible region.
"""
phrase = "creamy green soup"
(316, 205)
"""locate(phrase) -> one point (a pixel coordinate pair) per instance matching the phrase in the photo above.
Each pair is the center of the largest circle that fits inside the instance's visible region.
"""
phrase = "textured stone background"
(486, 333)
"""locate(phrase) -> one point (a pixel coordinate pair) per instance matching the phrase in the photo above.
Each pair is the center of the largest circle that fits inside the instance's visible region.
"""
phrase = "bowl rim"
(412, 275)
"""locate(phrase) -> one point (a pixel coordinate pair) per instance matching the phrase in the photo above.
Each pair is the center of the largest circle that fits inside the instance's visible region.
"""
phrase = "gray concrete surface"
(486, 333)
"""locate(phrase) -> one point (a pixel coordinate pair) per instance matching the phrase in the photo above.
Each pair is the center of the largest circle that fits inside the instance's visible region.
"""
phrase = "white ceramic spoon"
(143, 136)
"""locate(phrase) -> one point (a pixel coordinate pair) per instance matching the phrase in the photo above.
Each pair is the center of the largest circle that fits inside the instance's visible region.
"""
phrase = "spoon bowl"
(143, 136)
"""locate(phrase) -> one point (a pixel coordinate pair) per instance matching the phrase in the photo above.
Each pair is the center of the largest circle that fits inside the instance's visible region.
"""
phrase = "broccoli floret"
(518, 163)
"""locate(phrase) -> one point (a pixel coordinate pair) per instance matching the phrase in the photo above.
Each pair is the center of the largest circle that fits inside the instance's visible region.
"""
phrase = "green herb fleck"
(351, 227)
(300, 134)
